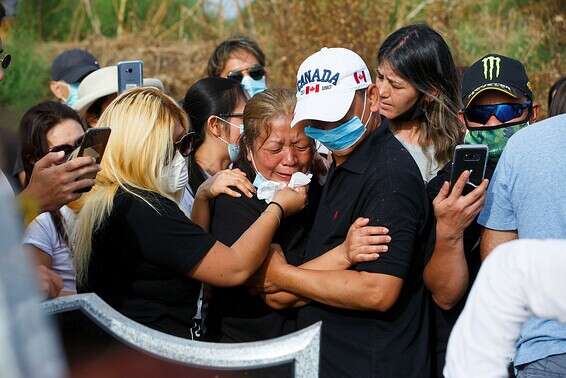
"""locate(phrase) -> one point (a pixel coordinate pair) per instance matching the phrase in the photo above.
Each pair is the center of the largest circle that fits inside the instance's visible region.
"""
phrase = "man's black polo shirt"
(381, 181)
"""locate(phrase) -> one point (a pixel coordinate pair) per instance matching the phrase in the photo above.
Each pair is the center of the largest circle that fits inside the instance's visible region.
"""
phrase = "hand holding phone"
(93, 144)
(455, 210)
(469, 157)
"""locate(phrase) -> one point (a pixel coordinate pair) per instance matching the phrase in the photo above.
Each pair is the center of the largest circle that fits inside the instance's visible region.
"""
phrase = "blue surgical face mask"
(233, 148)
(253, 87)
(233, 151)
(73, 94)
(342, 137)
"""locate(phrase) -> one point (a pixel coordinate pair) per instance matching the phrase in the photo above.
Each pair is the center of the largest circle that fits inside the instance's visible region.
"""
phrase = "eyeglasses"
(185, 144)
(503, 112)
(67, 148)
(6, 59)
(256, 72)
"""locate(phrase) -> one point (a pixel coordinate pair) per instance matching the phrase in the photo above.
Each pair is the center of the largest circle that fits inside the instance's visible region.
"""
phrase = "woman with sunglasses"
(242, 60)
(50, 127)
(494, 109)
(133, 246)
(215, 108)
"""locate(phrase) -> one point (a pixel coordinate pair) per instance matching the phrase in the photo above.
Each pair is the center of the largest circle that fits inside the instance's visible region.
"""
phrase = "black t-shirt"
(238, 315)
(381, 181)
(196, 175)
(444, 320)
(140, 259)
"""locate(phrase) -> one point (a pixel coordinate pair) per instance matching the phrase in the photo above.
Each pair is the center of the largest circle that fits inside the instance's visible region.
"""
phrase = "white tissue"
(267, 190)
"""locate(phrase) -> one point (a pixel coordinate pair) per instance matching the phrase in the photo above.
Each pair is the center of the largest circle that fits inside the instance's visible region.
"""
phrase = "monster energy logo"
(488, 64)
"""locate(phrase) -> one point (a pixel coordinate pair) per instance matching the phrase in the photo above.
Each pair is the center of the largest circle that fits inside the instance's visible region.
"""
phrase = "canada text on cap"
(327, 82)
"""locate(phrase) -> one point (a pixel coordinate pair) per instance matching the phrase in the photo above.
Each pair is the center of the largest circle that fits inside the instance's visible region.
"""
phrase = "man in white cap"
(97, 91)
(374, 316)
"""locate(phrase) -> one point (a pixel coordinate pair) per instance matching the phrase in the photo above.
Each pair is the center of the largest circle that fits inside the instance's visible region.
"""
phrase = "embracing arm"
(232, 266)
(363, 243)
(222, 182)
(345, 288)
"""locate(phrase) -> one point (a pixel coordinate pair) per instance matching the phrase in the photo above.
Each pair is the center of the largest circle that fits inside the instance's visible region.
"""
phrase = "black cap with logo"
(495, 72)
(73, 65)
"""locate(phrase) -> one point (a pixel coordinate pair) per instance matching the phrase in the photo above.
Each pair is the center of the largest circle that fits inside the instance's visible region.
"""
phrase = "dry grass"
(176, 37)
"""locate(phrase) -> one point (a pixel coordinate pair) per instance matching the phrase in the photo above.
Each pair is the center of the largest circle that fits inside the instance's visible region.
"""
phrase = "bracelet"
(277, 216)
(279, 206)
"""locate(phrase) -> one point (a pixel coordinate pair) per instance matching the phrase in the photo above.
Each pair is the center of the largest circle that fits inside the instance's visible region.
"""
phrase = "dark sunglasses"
(185, 144)
(503, 112)
(67, 148)
(256, 72)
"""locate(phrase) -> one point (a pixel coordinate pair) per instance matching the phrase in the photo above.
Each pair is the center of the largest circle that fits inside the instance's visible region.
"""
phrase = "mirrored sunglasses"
(503, 112)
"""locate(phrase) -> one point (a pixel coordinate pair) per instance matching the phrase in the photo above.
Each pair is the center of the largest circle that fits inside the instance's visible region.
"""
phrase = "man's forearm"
(446, 274)
(283, 299)
(332, 260)
(335, 259)
(345, 289)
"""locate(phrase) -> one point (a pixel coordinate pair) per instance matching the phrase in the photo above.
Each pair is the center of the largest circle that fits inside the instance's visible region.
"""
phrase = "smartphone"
(130, 75)
(471, 157)
(93, 144)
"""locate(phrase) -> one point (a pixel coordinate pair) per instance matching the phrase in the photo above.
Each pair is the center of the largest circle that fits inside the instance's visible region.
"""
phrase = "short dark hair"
(557, 98)
(35, 124)
(211, 96)
(224, 50)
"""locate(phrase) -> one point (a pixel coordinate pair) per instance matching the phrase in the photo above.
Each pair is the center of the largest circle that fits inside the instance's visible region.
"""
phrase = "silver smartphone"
(130, 75)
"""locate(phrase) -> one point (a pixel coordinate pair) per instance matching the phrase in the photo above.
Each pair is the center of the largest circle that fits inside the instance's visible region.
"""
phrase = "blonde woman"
(134, 247)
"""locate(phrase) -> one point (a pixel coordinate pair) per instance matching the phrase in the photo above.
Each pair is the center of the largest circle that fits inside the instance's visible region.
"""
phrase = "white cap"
(326, 84)
(103, 82)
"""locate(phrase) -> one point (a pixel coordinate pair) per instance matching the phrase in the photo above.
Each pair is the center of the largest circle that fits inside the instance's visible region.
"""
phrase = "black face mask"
(413, 113)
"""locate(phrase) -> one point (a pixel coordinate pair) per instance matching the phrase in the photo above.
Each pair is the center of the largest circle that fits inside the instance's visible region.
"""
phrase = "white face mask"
(176, 174)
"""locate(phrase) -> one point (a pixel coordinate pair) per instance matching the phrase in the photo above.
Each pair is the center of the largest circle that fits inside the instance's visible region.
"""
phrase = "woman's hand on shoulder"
(225, 182)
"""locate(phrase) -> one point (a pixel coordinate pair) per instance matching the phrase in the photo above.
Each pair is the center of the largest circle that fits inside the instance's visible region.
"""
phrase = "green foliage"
(175, 37)
(26, 79)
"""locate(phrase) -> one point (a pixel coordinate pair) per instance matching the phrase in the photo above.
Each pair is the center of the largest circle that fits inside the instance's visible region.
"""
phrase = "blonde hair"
(143, 121)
